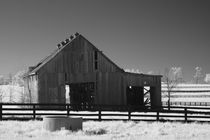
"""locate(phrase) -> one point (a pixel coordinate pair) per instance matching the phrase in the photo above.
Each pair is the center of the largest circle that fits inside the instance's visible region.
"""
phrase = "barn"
(79, 73)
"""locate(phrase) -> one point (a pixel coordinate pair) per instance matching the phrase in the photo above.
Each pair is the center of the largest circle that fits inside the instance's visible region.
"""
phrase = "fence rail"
(187, 103)
(104, 112)
(190, 90)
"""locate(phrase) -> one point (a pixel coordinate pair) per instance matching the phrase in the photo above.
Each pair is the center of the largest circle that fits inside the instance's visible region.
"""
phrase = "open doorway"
(80, 93)
(147, 96)
(67, 88)
(138, 95)
(134, 95)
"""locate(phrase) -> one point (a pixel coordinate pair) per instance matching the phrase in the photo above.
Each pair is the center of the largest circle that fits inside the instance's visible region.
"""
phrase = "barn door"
(135, 95)
(138, 96)
(82, 93)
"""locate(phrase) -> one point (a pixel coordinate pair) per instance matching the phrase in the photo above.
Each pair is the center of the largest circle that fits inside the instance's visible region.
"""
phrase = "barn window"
(96, 60)
(95, 55)
(96, 65)
(66, 77)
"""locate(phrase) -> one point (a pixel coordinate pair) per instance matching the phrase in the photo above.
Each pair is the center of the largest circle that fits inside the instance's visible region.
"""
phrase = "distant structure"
(90, 76)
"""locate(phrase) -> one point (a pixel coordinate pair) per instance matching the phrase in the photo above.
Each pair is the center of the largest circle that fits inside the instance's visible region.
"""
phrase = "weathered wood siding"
(79, 62)
(73, 64)
(51, 88)
(110, 88)
(30, 90)
(146, 80)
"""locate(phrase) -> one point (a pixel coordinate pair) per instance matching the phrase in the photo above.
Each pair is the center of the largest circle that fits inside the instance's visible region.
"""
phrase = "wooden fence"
(187, 103)
(103, 112)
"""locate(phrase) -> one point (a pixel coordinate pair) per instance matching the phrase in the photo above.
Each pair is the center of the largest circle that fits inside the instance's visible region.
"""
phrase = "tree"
(172, 77)
(18, 78)
(198, 75)
(1, 79)
(207, 78)
(18, 81)
(1, 95)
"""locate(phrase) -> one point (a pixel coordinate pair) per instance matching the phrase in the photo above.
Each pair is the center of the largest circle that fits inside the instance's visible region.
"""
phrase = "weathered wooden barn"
(92, 78)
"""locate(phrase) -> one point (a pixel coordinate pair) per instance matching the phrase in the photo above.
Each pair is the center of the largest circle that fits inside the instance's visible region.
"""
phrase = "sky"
(148, 35)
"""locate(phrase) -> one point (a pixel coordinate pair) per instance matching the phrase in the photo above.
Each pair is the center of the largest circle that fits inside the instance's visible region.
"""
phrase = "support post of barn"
(185, 114)
(0, 111)
(34, 111)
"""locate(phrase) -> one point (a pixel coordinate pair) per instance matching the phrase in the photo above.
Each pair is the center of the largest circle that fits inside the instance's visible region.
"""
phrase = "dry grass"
(33, 130)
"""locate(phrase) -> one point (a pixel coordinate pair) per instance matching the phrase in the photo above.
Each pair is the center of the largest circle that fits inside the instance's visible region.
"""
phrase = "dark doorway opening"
(135, 96)
(138, 96)
(81, 93)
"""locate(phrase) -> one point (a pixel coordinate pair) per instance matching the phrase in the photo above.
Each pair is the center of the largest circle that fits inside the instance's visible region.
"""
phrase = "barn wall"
(51, 88)
(156, 93)
(110, 89)
(104, 63)
(154, 82)
(30, 89)
(78, 57)
(74, 63)
(141, 80)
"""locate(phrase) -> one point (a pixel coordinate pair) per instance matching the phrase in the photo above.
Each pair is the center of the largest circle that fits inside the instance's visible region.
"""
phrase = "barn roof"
(34, 69)
(142, 74)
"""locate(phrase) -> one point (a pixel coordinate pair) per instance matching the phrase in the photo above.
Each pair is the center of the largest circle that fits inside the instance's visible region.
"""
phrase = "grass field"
(33, 130)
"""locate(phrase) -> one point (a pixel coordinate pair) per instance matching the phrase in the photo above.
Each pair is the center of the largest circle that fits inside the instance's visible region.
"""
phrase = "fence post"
(0, 111)
(99, 115)
(157, 115)
(67, 110)
(34, 111)
(185, 114)
(129, 115)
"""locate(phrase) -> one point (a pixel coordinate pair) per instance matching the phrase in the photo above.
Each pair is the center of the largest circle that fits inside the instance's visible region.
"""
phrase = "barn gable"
(75, 61)
(80, 55)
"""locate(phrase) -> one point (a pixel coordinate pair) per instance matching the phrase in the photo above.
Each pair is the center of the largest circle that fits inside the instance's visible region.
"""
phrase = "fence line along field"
(188, 93)
(102, 112)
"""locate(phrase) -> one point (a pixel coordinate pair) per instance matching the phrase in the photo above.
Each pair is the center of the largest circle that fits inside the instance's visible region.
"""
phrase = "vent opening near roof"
(96, 60)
